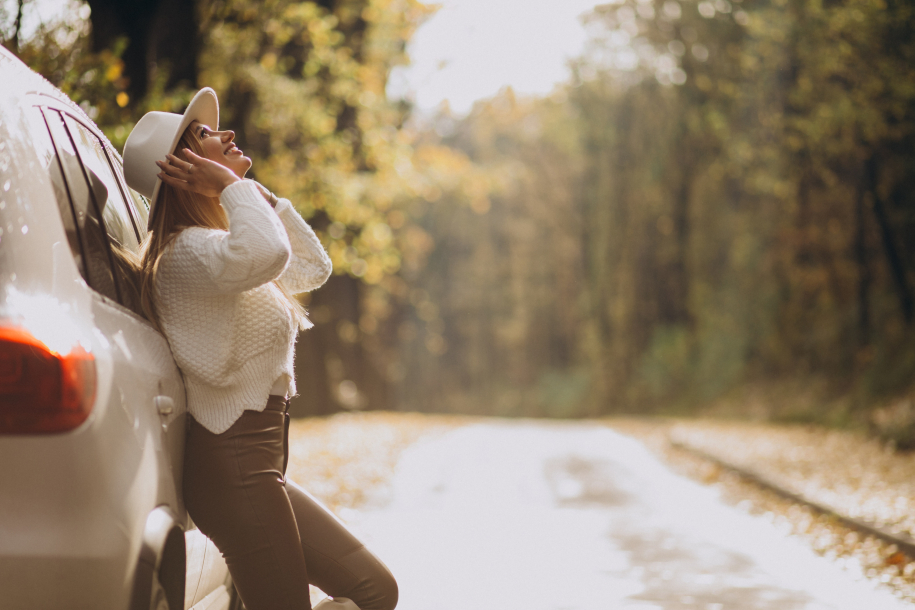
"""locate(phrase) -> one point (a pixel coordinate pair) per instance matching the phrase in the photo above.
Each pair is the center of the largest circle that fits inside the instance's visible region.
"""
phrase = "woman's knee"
(388, 591)
(378, 590)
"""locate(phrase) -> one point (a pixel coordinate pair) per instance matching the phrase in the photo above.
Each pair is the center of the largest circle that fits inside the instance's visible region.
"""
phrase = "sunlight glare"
(471, 49)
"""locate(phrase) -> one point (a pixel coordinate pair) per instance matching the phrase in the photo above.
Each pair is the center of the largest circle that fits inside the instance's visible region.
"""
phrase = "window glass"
(140, 203)
(44, 147)
(97, 260)
(114, 211)
(124, 245)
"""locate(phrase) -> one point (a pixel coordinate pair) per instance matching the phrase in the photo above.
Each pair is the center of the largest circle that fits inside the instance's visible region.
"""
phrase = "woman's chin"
(241, 166)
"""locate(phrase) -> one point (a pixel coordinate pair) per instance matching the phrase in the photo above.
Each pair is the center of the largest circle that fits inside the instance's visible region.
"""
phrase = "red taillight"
(42, 391)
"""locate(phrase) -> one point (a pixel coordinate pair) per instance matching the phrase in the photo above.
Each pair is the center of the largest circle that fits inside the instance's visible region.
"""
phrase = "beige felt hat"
(156, 135)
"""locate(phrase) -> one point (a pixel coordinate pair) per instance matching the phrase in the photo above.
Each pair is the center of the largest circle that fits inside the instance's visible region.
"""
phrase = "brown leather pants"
(276, 538)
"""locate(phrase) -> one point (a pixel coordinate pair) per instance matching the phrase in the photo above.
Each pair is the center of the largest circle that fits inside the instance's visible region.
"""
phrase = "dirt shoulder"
(855, 475)
(347, 460)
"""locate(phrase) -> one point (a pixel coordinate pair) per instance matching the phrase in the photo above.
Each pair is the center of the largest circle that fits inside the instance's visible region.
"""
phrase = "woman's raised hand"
(197, 174)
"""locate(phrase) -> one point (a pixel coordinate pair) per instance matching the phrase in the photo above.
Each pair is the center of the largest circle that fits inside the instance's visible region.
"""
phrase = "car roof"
(19, 81)
(31, 256)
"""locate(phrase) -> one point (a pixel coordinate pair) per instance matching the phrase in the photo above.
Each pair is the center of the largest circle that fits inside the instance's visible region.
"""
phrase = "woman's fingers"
(175, 182)
(197, 174)
(173, 169)
(179, 163)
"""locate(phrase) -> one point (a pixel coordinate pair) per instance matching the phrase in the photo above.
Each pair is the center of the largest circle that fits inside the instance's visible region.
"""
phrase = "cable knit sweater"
(230, 330)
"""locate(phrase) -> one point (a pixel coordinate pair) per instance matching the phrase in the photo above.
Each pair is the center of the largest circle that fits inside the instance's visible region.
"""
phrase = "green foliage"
(497, 314)
(730, 196)
(666, 361)
(784, 124)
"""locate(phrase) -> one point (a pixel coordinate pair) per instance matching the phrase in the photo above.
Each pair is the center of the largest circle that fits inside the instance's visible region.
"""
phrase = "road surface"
(539, 516)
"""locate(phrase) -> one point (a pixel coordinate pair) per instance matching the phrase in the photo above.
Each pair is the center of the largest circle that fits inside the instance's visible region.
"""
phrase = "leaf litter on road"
(347, 460)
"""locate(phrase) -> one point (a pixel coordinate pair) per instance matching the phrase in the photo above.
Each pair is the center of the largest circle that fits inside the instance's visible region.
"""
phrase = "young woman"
(221, 262)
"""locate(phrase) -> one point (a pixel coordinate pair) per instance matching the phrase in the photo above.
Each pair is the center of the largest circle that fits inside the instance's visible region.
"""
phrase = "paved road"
(532, 516)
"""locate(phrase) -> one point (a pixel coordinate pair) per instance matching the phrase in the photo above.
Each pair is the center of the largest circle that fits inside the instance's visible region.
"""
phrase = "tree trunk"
(17, 28)
(893, 258)
(161, 34)
(860, 252)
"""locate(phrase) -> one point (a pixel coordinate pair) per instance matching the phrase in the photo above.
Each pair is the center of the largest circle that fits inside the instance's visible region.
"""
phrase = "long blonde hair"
(175, 210)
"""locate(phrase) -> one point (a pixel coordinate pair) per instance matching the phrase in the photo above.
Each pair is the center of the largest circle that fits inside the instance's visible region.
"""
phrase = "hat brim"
(204, 107)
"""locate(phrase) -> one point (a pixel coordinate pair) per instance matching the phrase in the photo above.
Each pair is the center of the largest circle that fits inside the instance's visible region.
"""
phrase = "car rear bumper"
(72, 512)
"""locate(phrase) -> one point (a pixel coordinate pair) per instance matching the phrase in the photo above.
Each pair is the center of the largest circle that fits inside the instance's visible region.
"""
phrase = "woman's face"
(218, 146)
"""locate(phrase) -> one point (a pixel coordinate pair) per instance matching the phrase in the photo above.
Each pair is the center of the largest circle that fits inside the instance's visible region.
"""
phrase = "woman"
(221, 262)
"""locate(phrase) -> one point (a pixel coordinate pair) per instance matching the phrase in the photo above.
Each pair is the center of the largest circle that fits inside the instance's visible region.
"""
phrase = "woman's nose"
(228, 135)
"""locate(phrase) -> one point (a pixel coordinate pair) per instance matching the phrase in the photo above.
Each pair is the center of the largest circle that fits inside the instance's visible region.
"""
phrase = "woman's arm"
(253, 252)
(309, 266)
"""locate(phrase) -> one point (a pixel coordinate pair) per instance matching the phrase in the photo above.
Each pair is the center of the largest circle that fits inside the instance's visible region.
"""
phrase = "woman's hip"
(250, 452)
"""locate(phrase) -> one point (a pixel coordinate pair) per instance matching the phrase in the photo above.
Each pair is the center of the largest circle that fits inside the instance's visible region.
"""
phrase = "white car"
(92, 406)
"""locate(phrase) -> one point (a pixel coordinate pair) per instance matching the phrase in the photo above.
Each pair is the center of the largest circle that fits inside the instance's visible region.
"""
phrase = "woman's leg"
(233, 490)
(338, 563)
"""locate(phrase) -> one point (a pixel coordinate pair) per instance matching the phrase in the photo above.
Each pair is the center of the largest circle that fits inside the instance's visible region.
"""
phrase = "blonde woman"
(222, 259)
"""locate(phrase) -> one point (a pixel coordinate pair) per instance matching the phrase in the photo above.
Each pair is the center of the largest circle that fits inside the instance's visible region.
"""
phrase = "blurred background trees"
(716, 209)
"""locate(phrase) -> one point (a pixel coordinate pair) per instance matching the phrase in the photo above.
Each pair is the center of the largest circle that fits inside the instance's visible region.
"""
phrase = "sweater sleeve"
(309, 266)
(254, 250)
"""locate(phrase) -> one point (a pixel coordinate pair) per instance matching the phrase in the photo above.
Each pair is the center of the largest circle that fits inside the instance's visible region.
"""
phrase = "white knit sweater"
(230, 331)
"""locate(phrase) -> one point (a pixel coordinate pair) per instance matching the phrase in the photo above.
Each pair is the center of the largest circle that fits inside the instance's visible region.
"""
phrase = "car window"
(140, 203)
(114, 211)
(97, 262)
(44, 147)
(123, 242)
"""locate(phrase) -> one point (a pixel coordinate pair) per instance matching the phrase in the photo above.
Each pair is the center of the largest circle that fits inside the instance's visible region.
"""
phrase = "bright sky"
(35, 13)
(472, 48)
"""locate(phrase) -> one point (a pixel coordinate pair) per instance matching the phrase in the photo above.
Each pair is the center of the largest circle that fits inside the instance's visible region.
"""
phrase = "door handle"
(165, 405)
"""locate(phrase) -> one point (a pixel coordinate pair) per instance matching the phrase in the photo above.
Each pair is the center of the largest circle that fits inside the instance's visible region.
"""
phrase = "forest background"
(714, 215)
